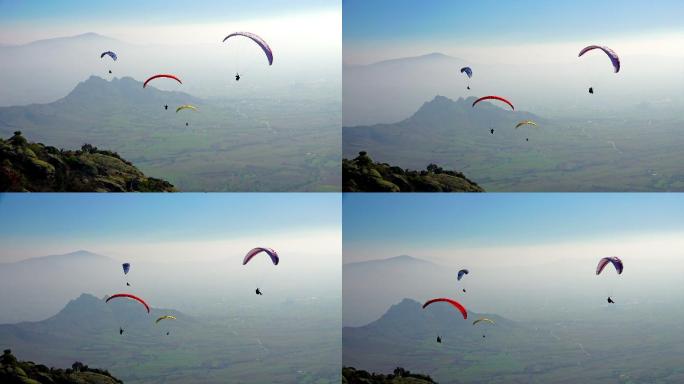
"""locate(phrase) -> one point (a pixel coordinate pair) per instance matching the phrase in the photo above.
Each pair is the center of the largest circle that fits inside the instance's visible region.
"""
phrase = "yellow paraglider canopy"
(525, 122)
(164, 318)
(186, 106)
(481, 319)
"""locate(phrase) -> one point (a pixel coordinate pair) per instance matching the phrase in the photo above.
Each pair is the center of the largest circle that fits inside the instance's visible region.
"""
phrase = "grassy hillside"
(362, 174)
(35, 167)
(27, 372)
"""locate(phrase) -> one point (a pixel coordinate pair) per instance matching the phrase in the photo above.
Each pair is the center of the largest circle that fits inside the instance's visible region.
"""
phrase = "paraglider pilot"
(439, 339)
(120, 331)
(166, 106)
(491, 131)
(237, 77)
(258, 292)
(610, 301)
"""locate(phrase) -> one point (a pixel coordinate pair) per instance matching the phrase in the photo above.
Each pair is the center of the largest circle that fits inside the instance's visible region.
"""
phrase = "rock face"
(35, 167)
(351, 375)
(26, 372)
(363, 175)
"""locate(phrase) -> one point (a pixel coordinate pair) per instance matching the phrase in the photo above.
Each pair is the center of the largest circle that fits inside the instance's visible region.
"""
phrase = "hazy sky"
(443, 227)
(382, 29)
(150, 21)
(170, 227)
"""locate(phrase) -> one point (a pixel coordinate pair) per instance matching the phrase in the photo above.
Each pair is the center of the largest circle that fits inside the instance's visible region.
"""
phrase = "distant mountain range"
(360, 280)
(54, 280)
(35, 167)
(409, 80)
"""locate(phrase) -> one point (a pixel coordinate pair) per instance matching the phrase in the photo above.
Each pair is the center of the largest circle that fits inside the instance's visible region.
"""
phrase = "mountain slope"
(363, 175)
(27, 372)
(361, 281)
(237, 348)
(405, 336)
(35, 167)
(233, 143)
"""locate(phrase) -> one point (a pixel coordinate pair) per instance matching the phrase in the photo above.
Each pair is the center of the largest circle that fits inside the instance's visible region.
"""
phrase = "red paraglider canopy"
(128, 295)
(493, 98)
(161, 75)
(455, 303)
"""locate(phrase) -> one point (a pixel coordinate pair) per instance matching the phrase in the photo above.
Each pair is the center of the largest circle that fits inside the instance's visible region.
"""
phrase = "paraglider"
(453, 303)
(110, 54)
(259, 41)
(493, 98)
(460, 275)
(126, 267)
(255, 251)
(525, 122)
(165, 317)
(163, 75)
(186, 106)
(617, 263)
(129, 296)
(469, 72)
(483, 319)
(614, 59)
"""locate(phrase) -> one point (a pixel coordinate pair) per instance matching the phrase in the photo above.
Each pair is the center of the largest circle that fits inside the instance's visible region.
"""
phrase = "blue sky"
(501, 21)
(41, 218)
(414, 220)
(127, 11)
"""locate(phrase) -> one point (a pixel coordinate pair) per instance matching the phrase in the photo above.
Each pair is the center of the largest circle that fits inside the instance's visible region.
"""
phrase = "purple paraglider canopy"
(611, 54)
(273, 254)
(256, 39)
(617, 263)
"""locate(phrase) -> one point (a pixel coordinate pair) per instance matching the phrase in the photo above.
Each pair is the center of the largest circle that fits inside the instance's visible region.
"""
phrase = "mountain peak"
(101, 93)
(436, 55)
(406, 258)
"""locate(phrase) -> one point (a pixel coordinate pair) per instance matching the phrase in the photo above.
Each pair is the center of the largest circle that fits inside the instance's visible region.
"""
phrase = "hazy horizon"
(524, 251)
(185, 250)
